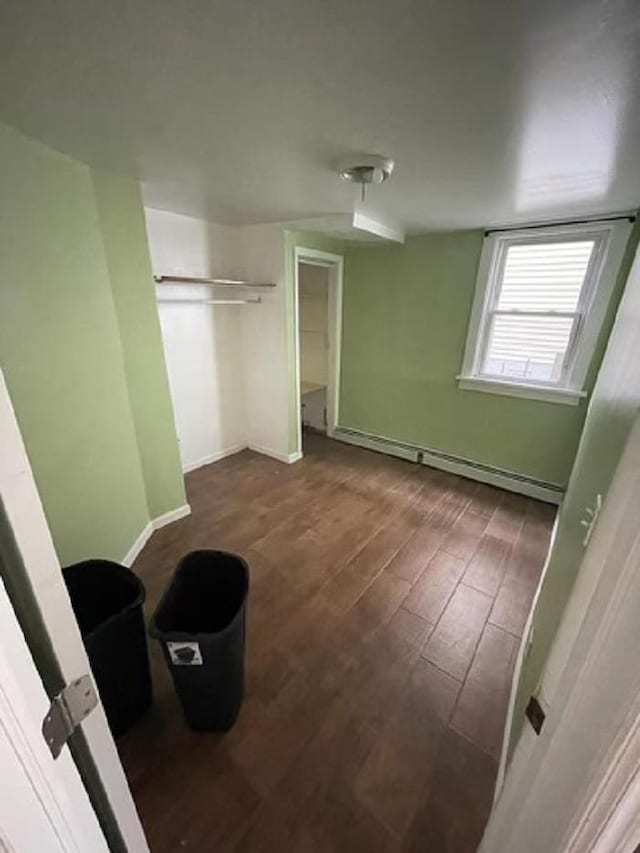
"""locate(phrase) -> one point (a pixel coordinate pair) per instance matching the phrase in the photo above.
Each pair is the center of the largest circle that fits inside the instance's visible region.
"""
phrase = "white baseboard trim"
(281, 457)
(169, 517)
(130, 557)
(236, 448)
(155, 524)
(508, 480)
(214, 457)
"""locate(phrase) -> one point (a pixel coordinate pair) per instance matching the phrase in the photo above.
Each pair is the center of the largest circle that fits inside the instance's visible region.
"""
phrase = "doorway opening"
(318, 315)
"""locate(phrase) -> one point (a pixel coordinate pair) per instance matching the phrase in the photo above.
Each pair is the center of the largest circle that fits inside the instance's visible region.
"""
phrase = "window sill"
(568, 396)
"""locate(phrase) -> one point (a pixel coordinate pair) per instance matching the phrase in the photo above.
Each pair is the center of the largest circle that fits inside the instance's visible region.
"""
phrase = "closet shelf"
(310, 387)
(218, 282)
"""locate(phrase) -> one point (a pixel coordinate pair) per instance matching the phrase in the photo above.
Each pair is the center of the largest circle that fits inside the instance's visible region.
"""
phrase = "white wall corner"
(288, 458)
(215, 457)
(385, 229)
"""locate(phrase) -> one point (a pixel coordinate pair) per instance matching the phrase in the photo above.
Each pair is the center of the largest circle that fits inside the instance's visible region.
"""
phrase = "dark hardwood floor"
(385, 608)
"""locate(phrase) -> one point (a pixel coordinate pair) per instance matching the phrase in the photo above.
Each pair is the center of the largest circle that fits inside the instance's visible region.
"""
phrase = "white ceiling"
(496, 112)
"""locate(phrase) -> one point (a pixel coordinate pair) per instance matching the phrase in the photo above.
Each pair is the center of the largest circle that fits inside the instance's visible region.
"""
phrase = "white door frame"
(43, 804)
(335, 266)
(22, 506)
(576, 787)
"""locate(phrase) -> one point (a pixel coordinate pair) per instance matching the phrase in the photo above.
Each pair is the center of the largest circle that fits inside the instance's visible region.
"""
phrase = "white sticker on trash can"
(185, 654)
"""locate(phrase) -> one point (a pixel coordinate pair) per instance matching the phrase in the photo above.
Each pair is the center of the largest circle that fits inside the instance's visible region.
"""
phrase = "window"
(541, 298)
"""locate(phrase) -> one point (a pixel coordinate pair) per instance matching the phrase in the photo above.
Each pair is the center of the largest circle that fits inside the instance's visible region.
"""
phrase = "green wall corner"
(67, 350)
(124, 234)
(406, 312)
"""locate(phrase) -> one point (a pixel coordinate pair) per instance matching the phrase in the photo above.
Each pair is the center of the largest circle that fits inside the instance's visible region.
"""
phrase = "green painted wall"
(614, 407)
(124, 234)
(406, 311)
(61, 352)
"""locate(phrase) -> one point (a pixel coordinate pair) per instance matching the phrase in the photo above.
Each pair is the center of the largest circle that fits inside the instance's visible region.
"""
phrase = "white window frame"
(610, 239)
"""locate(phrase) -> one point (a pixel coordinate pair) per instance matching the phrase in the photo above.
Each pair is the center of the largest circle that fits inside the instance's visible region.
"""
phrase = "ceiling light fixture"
(366, 169)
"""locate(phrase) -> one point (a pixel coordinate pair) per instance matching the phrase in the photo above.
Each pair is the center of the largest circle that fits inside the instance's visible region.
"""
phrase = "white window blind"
(536, 310)
(541, 299)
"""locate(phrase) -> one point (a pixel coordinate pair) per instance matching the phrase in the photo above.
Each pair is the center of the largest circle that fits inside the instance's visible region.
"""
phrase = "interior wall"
(313, 325)
(613, 409)
(237, 364)
(313, 283)
(203, 344)
(265, 342)
(406, 311)
(124, 236)
(62, 356)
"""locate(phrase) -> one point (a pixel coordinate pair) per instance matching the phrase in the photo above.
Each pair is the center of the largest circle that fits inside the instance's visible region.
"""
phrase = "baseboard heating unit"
(509, 480)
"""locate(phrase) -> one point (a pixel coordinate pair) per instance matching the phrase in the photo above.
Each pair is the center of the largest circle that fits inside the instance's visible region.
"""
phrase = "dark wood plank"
(453, 642)
(343, 741)
(465, 535)
(512, 605)
(457, 807)
(485, 499)
(343, 590)
(397, 771)
(487, 566)
(381, 668)
(482, 705)
(412, 558)
(507, 520)
(435, 586)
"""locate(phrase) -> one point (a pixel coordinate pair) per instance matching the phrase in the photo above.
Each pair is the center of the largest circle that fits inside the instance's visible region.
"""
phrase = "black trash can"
(107, 600)
(200, 622)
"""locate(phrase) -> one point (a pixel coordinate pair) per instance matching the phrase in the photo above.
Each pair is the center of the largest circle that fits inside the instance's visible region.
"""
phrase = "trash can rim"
(127, 574)
(185, 636)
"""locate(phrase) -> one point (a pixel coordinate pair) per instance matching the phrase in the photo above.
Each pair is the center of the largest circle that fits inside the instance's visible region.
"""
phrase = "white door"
(576, 787)
(43, 803)
(21, 504)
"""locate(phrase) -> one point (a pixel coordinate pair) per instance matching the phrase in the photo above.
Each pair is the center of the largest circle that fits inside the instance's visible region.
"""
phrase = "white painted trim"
(141, 540)
(509, 480)
(59, 794)
(611, 820)
(171, 516)
(214, 457)
(523, 650)
(155, 524)
(610, 242)
(386, 230)
(547, 393)
(335, 265)
(288, 458)
(35, 545)
(584, 717)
